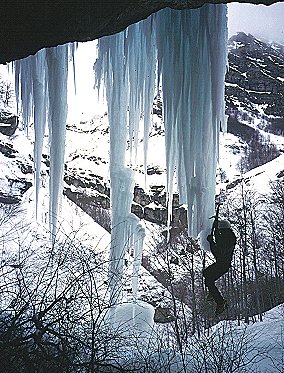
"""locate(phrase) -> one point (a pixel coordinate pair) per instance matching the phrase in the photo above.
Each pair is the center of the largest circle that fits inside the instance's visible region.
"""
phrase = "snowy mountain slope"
(87, 170)
(233, 149)
(260, 177)
(255, 79)
(254, 91)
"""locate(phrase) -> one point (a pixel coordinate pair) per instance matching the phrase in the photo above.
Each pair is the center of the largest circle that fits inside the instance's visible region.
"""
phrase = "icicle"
(149, 64)
(24, 89)
(41, 87)
(144, 62)
(40, 106)
(192, 82)
(72, 49)
(122, 183)
(30, 87)
(57, 62)
(191, 62)
(16, 70)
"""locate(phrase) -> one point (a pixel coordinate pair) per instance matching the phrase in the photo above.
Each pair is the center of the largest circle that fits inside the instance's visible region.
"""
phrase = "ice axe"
(216, 217)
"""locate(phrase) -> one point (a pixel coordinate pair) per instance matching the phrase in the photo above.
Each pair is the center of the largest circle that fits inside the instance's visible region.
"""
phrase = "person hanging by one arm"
(222, 243)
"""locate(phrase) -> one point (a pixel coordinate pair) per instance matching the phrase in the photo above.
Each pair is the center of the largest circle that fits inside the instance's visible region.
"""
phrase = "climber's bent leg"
(211, 274)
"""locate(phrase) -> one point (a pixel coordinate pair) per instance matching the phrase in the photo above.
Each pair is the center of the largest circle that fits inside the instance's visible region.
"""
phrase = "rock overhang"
(27, 27)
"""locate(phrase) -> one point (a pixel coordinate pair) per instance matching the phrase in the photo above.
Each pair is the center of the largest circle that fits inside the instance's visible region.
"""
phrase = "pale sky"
(262, 21)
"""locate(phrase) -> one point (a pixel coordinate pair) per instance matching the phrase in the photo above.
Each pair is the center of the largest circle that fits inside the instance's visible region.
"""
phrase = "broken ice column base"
(133, 320)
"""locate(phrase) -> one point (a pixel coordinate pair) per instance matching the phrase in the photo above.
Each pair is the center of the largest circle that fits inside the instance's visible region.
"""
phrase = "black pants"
(211, 274)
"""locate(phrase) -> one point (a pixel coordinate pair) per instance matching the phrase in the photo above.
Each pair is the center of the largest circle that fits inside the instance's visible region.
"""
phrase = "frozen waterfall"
(192, 58)
(126, 65)
(184, 53)
(187, 52)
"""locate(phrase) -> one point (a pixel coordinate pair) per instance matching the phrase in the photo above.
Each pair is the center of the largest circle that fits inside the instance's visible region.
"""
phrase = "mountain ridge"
(255, 78)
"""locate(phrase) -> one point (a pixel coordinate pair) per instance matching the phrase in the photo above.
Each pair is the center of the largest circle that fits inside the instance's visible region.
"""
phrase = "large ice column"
(39, 81)
(30, 86)
(192, 60)
(141, 59)
(57, 62)
(41, 89)
(110, 66)
(126, 65)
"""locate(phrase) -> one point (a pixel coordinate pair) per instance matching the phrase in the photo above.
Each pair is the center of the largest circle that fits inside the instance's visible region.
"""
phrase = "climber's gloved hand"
(210, 238)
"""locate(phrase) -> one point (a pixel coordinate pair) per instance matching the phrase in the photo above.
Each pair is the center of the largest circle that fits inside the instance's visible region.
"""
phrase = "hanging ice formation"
(191, 55)
(126, 64)
(192, 58)
(41, 87)
(189, 48)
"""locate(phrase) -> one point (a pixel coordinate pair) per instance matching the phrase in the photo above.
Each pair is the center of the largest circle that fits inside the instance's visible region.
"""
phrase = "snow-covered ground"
(230, 346)
(231, 149)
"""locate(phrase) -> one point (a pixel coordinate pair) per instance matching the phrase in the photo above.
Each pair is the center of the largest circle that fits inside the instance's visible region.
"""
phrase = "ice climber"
(222, 242)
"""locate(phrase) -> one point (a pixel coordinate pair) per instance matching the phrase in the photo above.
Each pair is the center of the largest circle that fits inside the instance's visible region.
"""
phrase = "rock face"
(92, 194)
(18, 187)
(16, 175)
(28, 26)
(8, 123)
(255, 80)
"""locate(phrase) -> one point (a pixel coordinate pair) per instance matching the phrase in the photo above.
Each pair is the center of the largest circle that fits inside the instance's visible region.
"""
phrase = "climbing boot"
(210, 298)
(220, 308)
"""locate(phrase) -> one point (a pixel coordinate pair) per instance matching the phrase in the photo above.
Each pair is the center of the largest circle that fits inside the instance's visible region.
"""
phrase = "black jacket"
(223, 246)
